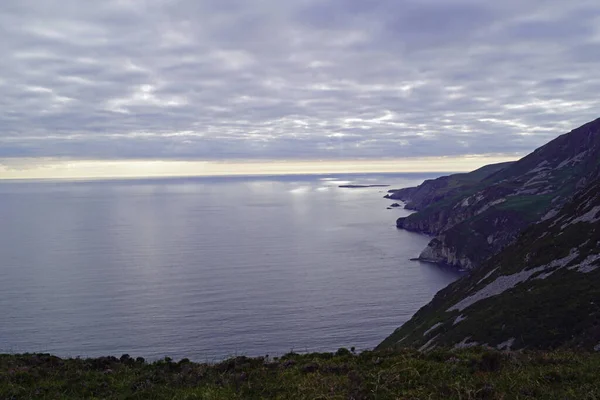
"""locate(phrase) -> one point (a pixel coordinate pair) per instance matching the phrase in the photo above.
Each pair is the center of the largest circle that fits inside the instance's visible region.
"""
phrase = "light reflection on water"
(206, 268)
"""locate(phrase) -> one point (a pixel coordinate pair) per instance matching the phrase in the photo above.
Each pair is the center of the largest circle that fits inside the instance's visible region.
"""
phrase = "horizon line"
(61, 169)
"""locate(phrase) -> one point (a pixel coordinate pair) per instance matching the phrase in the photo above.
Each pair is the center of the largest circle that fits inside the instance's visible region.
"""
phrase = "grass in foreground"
(407, 374)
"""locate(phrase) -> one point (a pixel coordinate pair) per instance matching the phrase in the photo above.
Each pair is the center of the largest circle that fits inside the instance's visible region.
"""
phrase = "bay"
(207, 268)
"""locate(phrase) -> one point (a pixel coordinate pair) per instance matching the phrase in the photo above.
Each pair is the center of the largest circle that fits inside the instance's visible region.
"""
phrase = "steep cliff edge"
(542, 291)
(473, 219)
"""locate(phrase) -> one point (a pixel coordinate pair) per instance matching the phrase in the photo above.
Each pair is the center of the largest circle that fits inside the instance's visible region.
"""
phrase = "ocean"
(207, 268)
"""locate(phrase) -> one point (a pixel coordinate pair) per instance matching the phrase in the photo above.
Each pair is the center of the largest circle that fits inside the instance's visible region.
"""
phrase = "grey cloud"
(186, 79)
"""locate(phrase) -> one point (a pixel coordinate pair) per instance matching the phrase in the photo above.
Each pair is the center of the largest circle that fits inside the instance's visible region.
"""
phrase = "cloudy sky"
(292, 80)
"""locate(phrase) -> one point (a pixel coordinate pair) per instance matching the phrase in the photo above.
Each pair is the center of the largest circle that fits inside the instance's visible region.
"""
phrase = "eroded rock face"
(467, 245)
(473, 216)
(438, 252)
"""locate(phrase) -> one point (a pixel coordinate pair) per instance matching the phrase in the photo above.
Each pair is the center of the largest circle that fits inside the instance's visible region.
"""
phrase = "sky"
(337, 82)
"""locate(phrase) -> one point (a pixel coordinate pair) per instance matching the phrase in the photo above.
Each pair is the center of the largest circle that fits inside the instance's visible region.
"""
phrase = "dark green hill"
(475, 216)
(543, 291)
(436, 190)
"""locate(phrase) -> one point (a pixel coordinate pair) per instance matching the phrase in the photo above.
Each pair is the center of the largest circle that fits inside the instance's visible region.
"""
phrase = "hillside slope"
(478, 219)
(543, 291)
(435, 190)
(407, 374)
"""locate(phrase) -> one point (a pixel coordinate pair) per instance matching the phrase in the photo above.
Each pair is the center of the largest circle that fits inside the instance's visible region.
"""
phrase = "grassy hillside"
(407, 374)
(509, 198)
(541, 292)
(444, 188)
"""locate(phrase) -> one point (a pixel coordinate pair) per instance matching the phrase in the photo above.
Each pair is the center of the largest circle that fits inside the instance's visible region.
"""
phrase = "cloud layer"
(300, 79)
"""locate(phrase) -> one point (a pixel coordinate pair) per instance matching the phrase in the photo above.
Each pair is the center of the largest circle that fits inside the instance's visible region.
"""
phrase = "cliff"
(435, 190)
(474, 216)
(541, 292)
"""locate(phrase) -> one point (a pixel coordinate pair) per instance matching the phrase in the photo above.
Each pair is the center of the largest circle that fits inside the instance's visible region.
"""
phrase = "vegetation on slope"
(408, 374)
(443, 188)
(541, 292)
(512, 197)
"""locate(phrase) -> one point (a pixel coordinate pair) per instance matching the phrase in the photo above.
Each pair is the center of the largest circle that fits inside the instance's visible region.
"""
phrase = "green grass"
(406, 374)
(531, 206)
(559, 311)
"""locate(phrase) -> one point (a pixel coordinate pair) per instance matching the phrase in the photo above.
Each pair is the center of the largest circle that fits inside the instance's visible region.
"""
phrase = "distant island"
(361, 186)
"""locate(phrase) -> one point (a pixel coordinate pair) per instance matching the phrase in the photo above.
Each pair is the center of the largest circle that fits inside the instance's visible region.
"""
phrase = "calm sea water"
(206, 268)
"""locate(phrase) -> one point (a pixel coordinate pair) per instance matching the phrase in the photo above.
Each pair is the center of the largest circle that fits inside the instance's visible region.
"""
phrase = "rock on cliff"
(542, 291)
(473, 216)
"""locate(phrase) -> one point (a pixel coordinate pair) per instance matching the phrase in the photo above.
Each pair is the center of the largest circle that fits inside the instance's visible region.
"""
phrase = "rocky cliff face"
(542, 291)
(473, 216)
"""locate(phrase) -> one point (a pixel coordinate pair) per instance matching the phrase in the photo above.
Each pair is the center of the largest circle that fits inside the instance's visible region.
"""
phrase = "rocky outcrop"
(438, 252)
(541, 291)
(473, 216)
(466, 246)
